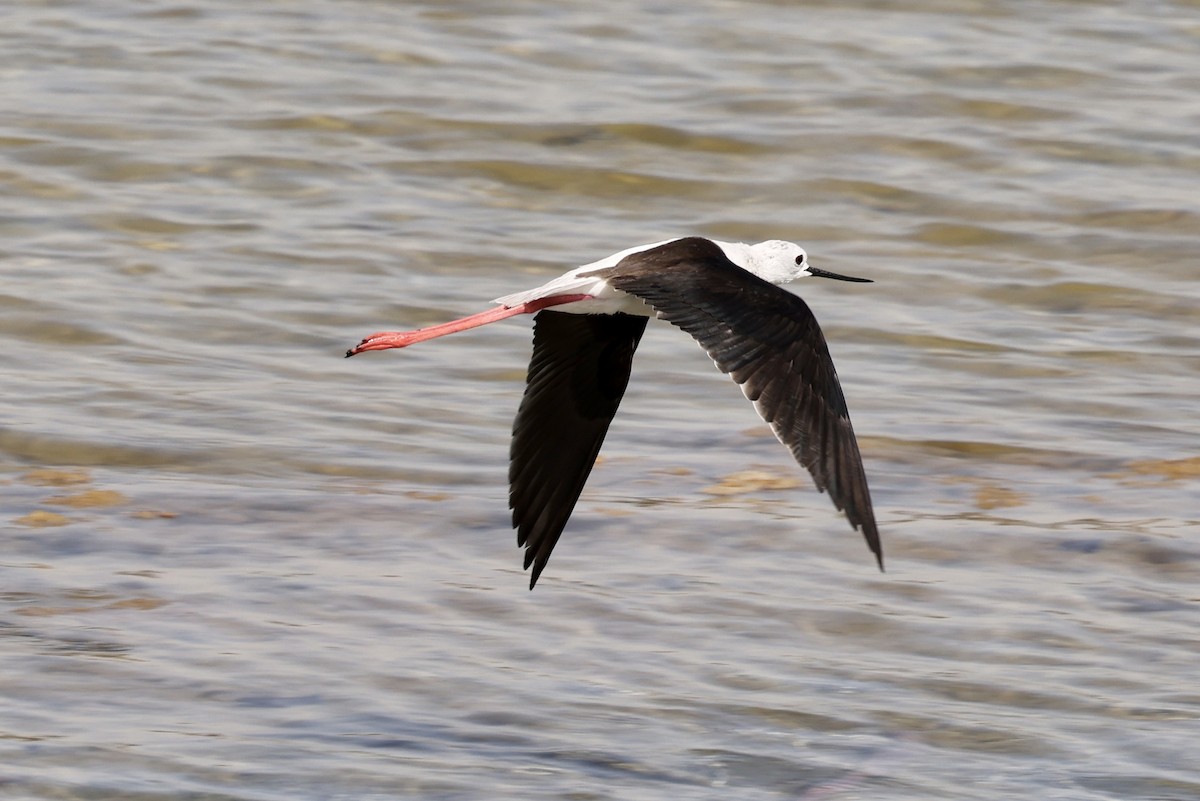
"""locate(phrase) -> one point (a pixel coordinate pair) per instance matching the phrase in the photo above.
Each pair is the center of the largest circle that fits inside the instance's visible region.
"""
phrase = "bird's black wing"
(577, 376)
(768, 341)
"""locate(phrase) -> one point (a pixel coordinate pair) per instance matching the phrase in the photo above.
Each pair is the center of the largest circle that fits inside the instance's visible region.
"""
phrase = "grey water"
(235, 565)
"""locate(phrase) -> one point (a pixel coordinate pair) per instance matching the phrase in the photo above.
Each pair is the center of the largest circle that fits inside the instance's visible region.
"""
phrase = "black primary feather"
(577, 376)
(769, 342)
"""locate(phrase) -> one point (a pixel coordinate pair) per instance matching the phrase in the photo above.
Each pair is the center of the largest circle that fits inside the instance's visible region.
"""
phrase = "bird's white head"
(777, 261)
(782, 262)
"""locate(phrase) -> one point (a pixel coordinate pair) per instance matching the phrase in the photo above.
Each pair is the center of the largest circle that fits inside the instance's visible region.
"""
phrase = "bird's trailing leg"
(402, 339)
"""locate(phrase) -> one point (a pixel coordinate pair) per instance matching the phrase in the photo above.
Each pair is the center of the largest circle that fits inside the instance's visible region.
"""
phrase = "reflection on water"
(237, 565)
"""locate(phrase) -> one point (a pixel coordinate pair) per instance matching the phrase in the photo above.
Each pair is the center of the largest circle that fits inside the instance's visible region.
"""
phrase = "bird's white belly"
(604, 298)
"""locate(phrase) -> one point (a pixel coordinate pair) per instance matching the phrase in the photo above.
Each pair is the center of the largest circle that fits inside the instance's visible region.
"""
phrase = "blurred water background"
(237, 566)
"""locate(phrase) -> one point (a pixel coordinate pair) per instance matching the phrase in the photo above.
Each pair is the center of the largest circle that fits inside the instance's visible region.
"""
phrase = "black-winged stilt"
(727, 296)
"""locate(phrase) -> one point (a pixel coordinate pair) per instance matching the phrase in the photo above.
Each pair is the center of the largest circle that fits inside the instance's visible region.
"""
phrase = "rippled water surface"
(238, 566)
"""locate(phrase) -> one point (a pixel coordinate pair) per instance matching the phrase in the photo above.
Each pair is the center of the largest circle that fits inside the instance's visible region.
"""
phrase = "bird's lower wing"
(577, 376)
(768, 341)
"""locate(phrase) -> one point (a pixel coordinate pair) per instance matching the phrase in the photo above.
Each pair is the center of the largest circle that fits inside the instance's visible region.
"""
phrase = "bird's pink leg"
(402, 339)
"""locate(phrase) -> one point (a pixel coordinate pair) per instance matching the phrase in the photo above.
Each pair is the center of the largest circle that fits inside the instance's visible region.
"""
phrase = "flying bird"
(588, 325)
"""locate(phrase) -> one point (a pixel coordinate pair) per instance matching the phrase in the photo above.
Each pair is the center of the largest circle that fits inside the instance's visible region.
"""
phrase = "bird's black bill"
(818, 273)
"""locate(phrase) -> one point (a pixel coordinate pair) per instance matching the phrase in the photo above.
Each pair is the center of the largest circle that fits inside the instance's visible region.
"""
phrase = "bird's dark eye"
(799, 260)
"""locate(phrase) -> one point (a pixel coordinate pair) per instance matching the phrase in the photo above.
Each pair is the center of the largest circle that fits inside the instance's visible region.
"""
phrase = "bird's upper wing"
(577, 376)
(768, 341)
